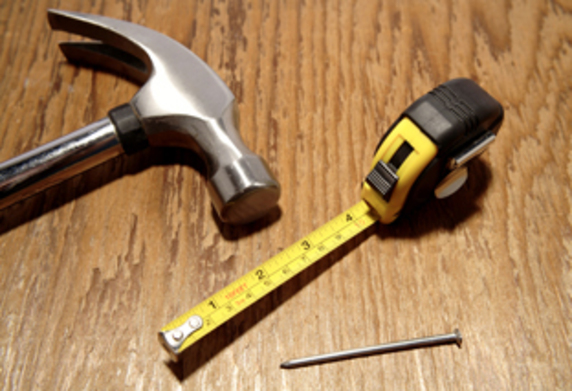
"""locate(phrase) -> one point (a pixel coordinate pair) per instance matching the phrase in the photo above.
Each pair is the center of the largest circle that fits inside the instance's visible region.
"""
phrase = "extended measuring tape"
(424, 153)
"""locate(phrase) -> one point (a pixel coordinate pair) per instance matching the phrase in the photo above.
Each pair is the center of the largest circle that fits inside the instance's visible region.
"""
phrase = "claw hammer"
(182, 103)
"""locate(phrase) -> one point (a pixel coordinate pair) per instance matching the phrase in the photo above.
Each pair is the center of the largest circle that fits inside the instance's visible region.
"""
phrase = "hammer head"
(182, 103)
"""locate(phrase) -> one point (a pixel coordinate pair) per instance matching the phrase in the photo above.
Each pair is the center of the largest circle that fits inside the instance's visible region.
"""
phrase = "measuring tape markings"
(257, 283)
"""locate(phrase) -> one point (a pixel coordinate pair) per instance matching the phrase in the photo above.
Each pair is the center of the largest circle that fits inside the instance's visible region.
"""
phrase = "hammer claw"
(111, 32)
(103, 56)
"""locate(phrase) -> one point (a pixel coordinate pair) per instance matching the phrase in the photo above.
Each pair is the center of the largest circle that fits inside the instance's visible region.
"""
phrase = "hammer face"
(244, 190)
(182, 97)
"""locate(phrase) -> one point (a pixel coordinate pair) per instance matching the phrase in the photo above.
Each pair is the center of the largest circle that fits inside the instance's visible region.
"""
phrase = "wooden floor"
(92, 269)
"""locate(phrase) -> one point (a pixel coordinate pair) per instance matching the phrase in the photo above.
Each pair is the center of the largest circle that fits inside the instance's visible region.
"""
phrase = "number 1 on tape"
(187, 329)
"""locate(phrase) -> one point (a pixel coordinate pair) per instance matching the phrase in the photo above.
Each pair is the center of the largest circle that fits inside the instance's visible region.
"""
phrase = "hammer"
(182, 103)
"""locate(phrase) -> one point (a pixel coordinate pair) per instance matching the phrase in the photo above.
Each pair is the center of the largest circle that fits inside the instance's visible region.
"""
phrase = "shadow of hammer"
(182, 103)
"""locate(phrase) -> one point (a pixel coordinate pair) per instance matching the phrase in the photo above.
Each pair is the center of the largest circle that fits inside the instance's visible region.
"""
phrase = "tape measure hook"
(173, 339)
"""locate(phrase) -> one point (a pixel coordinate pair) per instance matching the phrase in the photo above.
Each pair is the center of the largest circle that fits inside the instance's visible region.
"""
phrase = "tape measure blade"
(242, 293)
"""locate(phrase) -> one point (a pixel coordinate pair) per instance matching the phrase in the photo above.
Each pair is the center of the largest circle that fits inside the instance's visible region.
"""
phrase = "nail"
(454, 337)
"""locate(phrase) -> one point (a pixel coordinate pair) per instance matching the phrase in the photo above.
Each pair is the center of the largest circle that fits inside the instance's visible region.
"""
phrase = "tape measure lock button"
(401, 157)
(383, 179)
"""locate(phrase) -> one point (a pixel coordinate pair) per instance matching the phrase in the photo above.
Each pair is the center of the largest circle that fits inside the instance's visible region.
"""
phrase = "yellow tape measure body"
(428, 145)
(228, 302)
(256, 284)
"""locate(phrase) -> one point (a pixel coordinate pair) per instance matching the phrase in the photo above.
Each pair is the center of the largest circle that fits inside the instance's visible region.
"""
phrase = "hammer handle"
(56, 161)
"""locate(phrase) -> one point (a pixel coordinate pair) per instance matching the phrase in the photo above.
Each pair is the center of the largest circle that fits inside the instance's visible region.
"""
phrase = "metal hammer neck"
(43, 167)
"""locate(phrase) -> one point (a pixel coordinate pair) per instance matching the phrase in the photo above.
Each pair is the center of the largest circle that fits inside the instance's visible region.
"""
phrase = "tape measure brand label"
(256, 284)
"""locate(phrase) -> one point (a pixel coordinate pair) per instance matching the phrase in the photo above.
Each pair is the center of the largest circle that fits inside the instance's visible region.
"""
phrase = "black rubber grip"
(455, 113)
(131, 135)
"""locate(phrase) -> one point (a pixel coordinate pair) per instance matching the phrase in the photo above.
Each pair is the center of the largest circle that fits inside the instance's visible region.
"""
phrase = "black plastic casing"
(453, 115)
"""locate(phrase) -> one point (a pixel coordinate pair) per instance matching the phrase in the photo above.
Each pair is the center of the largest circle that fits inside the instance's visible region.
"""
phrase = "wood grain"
(91, 269)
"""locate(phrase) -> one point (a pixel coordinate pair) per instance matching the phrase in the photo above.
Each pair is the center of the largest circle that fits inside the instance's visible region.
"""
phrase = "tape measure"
(423, 154)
